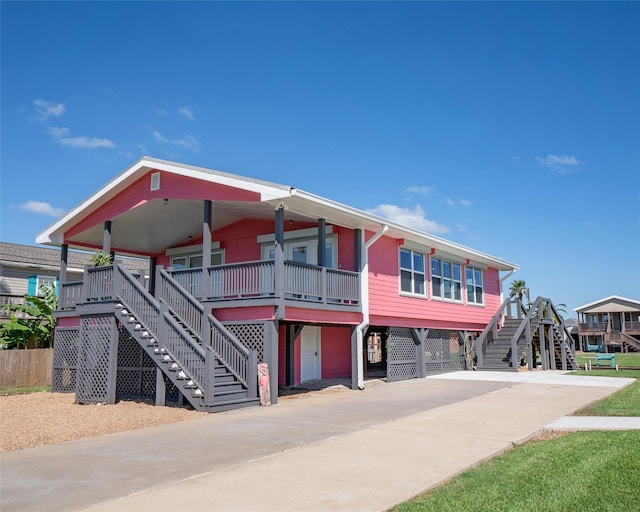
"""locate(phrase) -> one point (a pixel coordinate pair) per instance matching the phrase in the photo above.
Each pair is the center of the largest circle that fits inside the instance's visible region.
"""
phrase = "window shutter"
(32, 287)
(57, 286)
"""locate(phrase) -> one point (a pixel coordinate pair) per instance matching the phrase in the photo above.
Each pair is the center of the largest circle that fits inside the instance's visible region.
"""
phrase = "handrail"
(211, 332)
(148, 311)
(180, 301)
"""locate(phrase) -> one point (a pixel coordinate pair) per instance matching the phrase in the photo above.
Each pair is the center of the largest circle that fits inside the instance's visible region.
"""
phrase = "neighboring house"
(24, 269)
(610, 324)
(246, 271)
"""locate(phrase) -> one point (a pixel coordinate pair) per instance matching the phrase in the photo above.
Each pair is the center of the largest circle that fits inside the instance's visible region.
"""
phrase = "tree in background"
(32, 324)
(518, 289)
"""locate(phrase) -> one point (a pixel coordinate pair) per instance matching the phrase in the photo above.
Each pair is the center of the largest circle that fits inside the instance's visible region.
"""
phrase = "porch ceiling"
(155, 225)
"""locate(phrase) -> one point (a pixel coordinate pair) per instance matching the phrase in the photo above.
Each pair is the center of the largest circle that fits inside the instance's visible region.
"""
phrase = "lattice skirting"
(442, 351)
(65, 359)
(401, 355)
(250, 335)
(135, 374)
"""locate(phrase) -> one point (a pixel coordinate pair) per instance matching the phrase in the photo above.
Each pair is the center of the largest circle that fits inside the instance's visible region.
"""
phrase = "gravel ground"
(38, 419)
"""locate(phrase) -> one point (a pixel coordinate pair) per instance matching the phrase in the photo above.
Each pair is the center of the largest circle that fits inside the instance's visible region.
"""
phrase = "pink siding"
(240, 314)
(336, 352)
(388, 307)
(318, 316)
(68, 321)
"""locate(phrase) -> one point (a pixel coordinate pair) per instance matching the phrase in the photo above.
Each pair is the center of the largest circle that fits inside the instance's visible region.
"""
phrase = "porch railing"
(255, 279)
(70, 295)
(598, 327)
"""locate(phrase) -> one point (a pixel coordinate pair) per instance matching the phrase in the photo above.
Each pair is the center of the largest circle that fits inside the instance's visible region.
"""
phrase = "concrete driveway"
(341, 450)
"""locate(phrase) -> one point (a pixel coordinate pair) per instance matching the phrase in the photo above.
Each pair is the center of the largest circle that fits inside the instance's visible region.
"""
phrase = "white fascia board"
(53, 235)
(369, 221)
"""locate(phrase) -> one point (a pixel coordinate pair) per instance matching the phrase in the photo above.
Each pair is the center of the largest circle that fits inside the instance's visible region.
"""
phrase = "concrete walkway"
(330, 450)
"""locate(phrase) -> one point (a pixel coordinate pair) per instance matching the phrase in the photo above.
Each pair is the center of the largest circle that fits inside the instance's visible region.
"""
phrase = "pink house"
(245, 272)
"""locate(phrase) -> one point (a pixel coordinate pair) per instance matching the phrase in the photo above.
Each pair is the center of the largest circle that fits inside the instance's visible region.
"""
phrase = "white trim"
(297, 234)
(189, 249)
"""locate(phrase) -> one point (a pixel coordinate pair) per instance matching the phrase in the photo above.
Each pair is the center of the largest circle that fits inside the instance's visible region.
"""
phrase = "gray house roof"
(47, 258)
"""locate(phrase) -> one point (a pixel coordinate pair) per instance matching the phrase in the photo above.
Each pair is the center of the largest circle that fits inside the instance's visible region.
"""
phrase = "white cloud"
(160, 111)
(42, 208)
(560, 163)
(449, 201)
(413, 218)
(415, 189)
(461, 227)
(465, 202)
(47, 109)
(188, 141)
(186, 112)
(62, 136)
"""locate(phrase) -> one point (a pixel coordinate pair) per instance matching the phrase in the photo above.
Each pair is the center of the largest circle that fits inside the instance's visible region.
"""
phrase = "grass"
(567, 473)
(22, 391)
(630, 359)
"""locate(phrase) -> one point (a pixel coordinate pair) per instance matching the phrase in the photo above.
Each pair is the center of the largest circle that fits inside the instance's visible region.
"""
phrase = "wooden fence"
(25, 368)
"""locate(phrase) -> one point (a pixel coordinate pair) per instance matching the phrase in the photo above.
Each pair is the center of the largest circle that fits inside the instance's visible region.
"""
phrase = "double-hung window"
(475, 287)
(412, 272)
(446, 280)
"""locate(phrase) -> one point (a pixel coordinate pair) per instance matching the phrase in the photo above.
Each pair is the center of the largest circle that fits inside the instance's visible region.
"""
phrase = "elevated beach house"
(245, 272)
(610, 324)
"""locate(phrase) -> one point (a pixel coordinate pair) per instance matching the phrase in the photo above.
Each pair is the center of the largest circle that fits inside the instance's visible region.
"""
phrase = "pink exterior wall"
(68, 321)
(318, 316)
(241, 314)
(335, 352)
(388, 307)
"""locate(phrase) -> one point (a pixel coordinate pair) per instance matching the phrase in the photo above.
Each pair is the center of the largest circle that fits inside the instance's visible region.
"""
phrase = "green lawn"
(22, 391)
(630, 359)
(584, 471)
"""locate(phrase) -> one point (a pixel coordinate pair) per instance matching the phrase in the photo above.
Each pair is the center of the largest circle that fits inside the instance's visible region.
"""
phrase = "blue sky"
(510, 127)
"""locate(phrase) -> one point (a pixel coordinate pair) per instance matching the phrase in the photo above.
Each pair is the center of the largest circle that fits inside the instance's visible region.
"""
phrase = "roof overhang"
(612, 304)
(157, 224)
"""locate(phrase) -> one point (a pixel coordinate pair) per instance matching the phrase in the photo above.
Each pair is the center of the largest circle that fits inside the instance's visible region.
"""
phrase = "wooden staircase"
(213, 375)
(497, 355)
(515, 336)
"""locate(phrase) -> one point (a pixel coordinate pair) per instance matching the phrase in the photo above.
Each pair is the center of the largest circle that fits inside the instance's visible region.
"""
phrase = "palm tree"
(518, 289)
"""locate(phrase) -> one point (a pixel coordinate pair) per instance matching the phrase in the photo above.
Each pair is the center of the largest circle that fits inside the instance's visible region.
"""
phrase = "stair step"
(228, 405)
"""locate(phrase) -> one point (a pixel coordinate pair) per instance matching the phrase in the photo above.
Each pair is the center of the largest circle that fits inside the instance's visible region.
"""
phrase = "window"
(446, 280)
(412, 272)
(35, 284)
(475, 288)
(195, 260)
(304, 251)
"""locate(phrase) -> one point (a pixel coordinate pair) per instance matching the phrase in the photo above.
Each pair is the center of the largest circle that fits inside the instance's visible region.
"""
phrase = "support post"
(153, 262)
(64, 259)
(106, 238)
(419, 335)
(271, 356)
(161, 388)
(206, 251)
(112, 370)
(322, 242)
(544, 356)
(252, 375)
(356, 356)
(289, 355)
(209, 375)
(279, 262)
